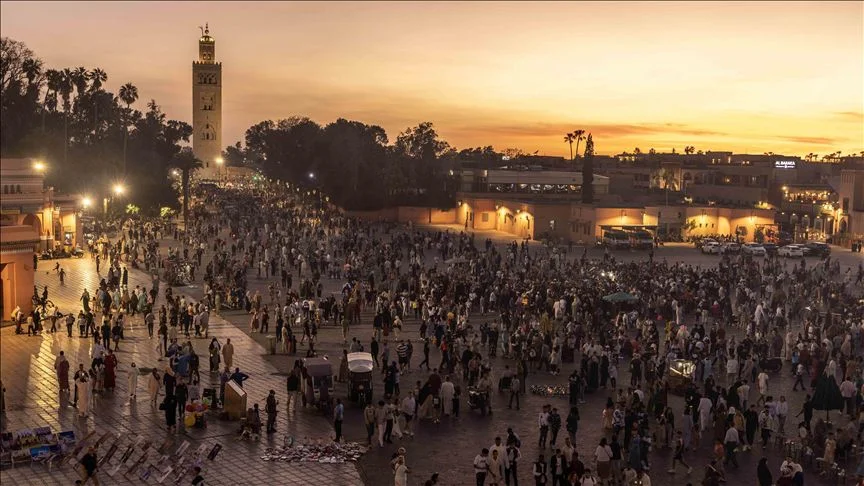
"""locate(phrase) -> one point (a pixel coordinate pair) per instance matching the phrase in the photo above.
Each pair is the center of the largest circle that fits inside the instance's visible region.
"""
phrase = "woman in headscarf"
(61, 365)
(154, 383)
(110, 367)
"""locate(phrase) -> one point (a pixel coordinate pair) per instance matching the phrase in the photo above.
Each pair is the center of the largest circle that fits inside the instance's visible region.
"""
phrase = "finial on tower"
(206, 28)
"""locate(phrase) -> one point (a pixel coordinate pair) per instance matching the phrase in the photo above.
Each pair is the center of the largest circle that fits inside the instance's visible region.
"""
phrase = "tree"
(689, 149)
(569, 138)
(580, 135)
(588, 172)
(66, 85)
(186, 163)
(128, 94)
(97, 77)
(637, 151)
(666, 178)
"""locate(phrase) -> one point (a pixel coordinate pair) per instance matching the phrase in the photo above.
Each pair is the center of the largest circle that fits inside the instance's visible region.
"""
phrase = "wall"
(16, 258)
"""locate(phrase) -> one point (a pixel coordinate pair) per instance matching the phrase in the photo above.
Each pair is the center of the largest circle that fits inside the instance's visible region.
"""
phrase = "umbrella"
(620, 297)
(827, 395)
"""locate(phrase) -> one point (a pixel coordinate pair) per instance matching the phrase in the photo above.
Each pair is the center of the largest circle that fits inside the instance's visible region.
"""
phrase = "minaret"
(207, 106)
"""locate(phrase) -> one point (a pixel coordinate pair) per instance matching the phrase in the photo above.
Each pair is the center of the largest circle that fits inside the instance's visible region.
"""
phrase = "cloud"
(541, 129)
(811, 140)
(855, 116)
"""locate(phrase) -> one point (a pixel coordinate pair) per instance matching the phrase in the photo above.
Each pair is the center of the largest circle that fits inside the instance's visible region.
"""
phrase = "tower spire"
(206, 28)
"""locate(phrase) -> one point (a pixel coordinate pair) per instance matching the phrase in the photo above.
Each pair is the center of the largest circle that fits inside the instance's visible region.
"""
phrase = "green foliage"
(166, 212)
(132, 209)
(352, 161)
(84, 133)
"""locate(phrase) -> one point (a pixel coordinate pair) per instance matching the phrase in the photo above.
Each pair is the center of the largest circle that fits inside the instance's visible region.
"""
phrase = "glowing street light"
(220, 160)
(86, 202)
(39, 166)
(119, 189)
(311, 175)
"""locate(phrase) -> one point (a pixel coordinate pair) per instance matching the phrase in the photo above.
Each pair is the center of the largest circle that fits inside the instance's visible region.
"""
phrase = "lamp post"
(220, 162)
(118, 190)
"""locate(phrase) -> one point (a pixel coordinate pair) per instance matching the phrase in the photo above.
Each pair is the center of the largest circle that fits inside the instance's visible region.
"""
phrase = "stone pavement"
(450, 446)
(33, 399)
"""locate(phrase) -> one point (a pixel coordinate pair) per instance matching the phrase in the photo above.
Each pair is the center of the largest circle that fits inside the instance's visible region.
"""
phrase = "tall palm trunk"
(65, 137)
(577, 147)
(571, 151)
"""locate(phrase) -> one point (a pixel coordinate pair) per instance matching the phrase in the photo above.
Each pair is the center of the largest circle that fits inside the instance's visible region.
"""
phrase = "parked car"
(770, 248)
(730, 247)
(818, 249)
(710, 247)
(791, 251)
(754, 249)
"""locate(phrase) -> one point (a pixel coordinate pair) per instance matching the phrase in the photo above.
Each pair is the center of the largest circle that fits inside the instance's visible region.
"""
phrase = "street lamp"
(311, 175)
(39, 166)
(119, 189)
(220, 162)
(86, 202)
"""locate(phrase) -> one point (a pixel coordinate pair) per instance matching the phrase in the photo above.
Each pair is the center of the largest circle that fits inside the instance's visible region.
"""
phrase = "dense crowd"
(500, 317)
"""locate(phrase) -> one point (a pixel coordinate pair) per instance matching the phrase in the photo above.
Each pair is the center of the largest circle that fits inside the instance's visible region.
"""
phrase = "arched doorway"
(32, 220)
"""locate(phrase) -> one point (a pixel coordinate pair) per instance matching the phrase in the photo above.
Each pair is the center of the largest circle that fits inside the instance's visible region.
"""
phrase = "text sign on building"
(784, 164)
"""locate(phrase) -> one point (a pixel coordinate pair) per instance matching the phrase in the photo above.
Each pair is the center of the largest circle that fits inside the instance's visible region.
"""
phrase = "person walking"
(678, 454)
(89, 466)
(369, 421)
(270, 407)
(154, 383)
(481, 467)
(763, 473)
(512, 455)
(169, 406)
(603, 459)
(61, 367)
(515, 387)
(132, 381)
(338, 417)
(83, 394)
(228, 353)
(554, 420)
(543, 425)
(539, 471)
(730, 442)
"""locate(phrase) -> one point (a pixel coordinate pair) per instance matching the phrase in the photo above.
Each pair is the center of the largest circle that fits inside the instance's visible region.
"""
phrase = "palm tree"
(66, 85)
(580, 135)
(689, 149)
(569, 138)
(665, 177)
(128, 94)
(52, 86)
(80, 76)
(637, 151)
(97, 77)
(186, 163)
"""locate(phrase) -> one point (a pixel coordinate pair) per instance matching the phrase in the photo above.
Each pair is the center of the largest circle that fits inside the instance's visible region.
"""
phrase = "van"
(616, 239)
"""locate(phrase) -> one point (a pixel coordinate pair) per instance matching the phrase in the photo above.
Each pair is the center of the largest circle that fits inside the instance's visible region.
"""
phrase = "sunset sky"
(756, 77)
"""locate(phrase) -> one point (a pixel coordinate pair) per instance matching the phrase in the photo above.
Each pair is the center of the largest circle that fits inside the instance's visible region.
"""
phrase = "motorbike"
(478, 399)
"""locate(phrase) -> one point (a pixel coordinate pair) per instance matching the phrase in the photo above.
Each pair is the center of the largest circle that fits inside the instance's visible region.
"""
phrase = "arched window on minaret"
(208, 133)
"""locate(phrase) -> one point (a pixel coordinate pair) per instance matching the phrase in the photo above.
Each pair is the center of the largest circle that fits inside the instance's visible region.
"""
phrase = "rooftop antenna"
(202, 30)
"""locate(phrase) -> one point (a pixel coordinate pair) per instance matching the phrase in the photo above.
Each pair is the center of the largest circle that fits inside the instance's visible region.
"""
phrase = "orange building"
(32, 219)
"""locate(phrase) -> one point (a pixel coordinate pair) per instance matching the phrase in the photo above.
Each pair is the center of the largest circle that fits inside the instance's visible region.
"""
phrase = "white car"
(754, 249)
(791, 251)
(730, 247)
(711, 247)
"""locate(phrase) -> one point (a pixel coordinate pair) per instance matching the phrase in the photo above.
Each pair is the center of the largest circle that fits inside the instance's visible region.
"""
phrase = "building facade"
(850, 212)
(207, 107)
(32, 219)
